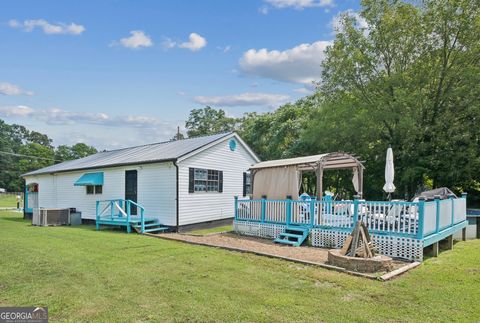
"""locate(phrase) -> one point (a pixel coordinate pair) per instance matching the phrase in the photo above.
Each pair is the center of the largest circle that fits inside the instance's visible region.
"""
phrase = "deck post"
(450, 197)
(464, 230)
(97, 216)
(312, 212)
(235, 212)
(142, 220)
(288, 205)
(127, 204)
(450, 242)
(355, 209)
(437, 215)
(436, 249)
(263, 208)
(421, 217)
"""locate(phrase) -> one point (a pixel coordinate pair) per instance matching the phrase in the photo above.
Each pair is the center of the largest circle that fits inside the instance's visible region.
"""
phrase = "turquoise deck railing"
(408, 219)
(118, 212)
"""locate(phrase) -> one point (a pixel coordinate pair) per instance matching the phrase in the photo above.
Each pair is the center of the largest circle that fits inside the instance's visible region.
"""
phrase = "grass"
(211, 230)
(8, 200)
(85, 275)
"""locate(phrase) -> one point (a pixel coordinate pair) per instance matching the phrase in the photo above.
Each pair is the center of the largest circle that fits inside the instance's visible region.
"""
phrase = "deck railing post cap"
(464, 194)
(437, 197)
(356, 197)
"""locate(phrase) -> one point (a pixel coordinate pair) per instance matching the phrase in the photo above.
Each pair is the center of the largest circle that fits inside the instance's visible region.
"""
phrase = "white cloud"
(12, 89)
(224, 49)
(300, 64)
(168, 43)
(195, 42)
(19, 111)
(303, 90)
(243, 99)
(263, 10)
(56, 116)
(48, 28)
(296, 4)
(337, 19)
(136, 40)
(66, 127)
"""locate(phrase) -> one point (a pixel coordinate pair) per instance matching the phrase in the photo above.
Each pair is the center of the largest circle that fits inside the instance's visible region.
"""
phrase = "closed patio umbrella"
(389, 187)
(355, 180)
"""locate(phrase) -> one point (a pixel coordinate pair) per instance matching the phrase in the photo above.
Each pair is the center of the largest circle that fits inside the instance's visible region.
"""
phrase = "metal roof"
(157, 152)
(336, 160)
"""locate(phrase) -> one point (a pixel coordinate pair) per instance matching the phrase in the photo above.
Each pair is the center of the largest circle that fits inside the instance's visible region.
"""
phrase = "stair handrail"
(120, 209)
(142, 215)
(124, 208)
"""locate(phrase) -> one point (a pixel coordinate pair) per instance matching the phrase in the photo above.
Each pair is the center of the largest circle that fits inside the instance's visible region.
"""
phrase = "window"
(247, 184)
(94, 189)
(90, 189)
(205, 180)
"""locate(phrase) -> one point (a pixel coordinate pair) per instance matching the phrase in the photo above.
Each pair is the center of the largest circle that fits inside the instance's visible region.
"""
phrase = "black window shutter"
(220, 181)
(191, 180)
(244, 184)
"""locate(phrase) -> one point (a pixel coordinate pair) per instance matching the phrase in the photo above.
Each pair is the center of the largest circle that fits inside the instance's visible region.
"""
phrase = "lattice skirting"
(262, 230)
(397, 247)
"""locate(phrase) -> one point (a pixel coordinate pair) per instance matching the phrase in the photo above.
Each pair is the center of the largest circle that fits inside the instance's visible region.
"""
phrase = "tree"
(276, 134)
(79, 150)
(410, 78)
(209, 121)
(22, 150)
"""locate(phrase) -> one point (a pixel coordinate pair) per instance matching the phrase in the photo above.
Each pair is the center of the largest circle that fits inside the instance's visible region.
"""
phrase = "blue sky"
(120, 73)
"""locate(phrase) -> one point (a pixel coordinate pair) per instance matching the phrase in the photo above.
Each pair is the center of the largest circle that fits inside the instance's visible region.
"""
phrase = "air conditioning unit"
(46, 217)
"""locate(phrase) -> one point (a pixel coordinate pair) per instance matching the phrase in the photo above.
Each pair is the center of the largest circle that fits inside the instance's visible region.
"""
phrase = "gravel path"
(234, 241)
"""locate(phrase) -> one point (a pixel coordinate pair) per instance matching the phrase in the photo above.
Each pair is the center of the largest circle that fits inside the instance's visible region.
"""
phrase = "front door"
(131, 189)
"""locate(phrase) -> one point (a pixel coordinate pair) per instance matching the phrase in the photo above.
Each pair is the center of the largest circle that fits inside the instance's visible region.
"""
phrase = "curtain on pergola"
(279, 179)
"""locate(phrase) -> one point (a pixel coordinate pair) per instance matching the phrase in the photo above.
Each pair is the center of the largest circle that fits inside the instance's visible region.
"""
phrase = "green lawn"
(212, 230)
(85, 275)
(8, 200)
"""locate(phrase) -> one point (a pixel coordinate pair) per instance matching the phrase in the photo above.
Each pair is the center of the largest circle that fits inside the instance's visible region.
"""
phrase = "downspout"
(176, 199)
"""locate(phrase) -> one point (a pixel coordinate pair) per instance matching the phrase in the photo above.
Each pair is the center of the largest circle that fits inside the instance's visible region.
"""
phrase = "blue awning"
(90, 179)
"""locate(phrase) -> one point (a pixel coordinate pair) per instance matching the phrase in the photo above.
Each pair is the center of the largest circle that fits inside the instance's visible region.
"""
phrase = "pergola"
(284, 175)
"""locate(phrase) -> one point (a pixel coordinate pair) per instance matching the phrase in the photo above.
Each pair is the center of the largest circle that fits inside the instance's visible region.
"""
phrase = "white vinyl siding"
(201, 207)
(156, 190)
(157, 186)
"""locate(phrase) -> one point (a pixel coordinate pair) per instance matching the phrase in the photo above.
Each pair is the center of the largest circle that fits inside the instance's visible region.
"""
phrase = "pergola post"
(360, 180)
(319, 172)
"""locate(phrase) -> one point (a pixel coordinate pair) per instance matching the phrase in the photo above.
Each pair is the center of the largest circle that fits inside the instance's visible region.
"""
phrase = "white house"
(179, 183)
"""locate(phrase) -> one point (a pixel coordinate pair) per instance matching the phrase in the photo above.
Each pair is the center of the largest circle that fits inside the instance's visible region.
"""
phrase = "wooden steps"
(293, 236)
(150, 226)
